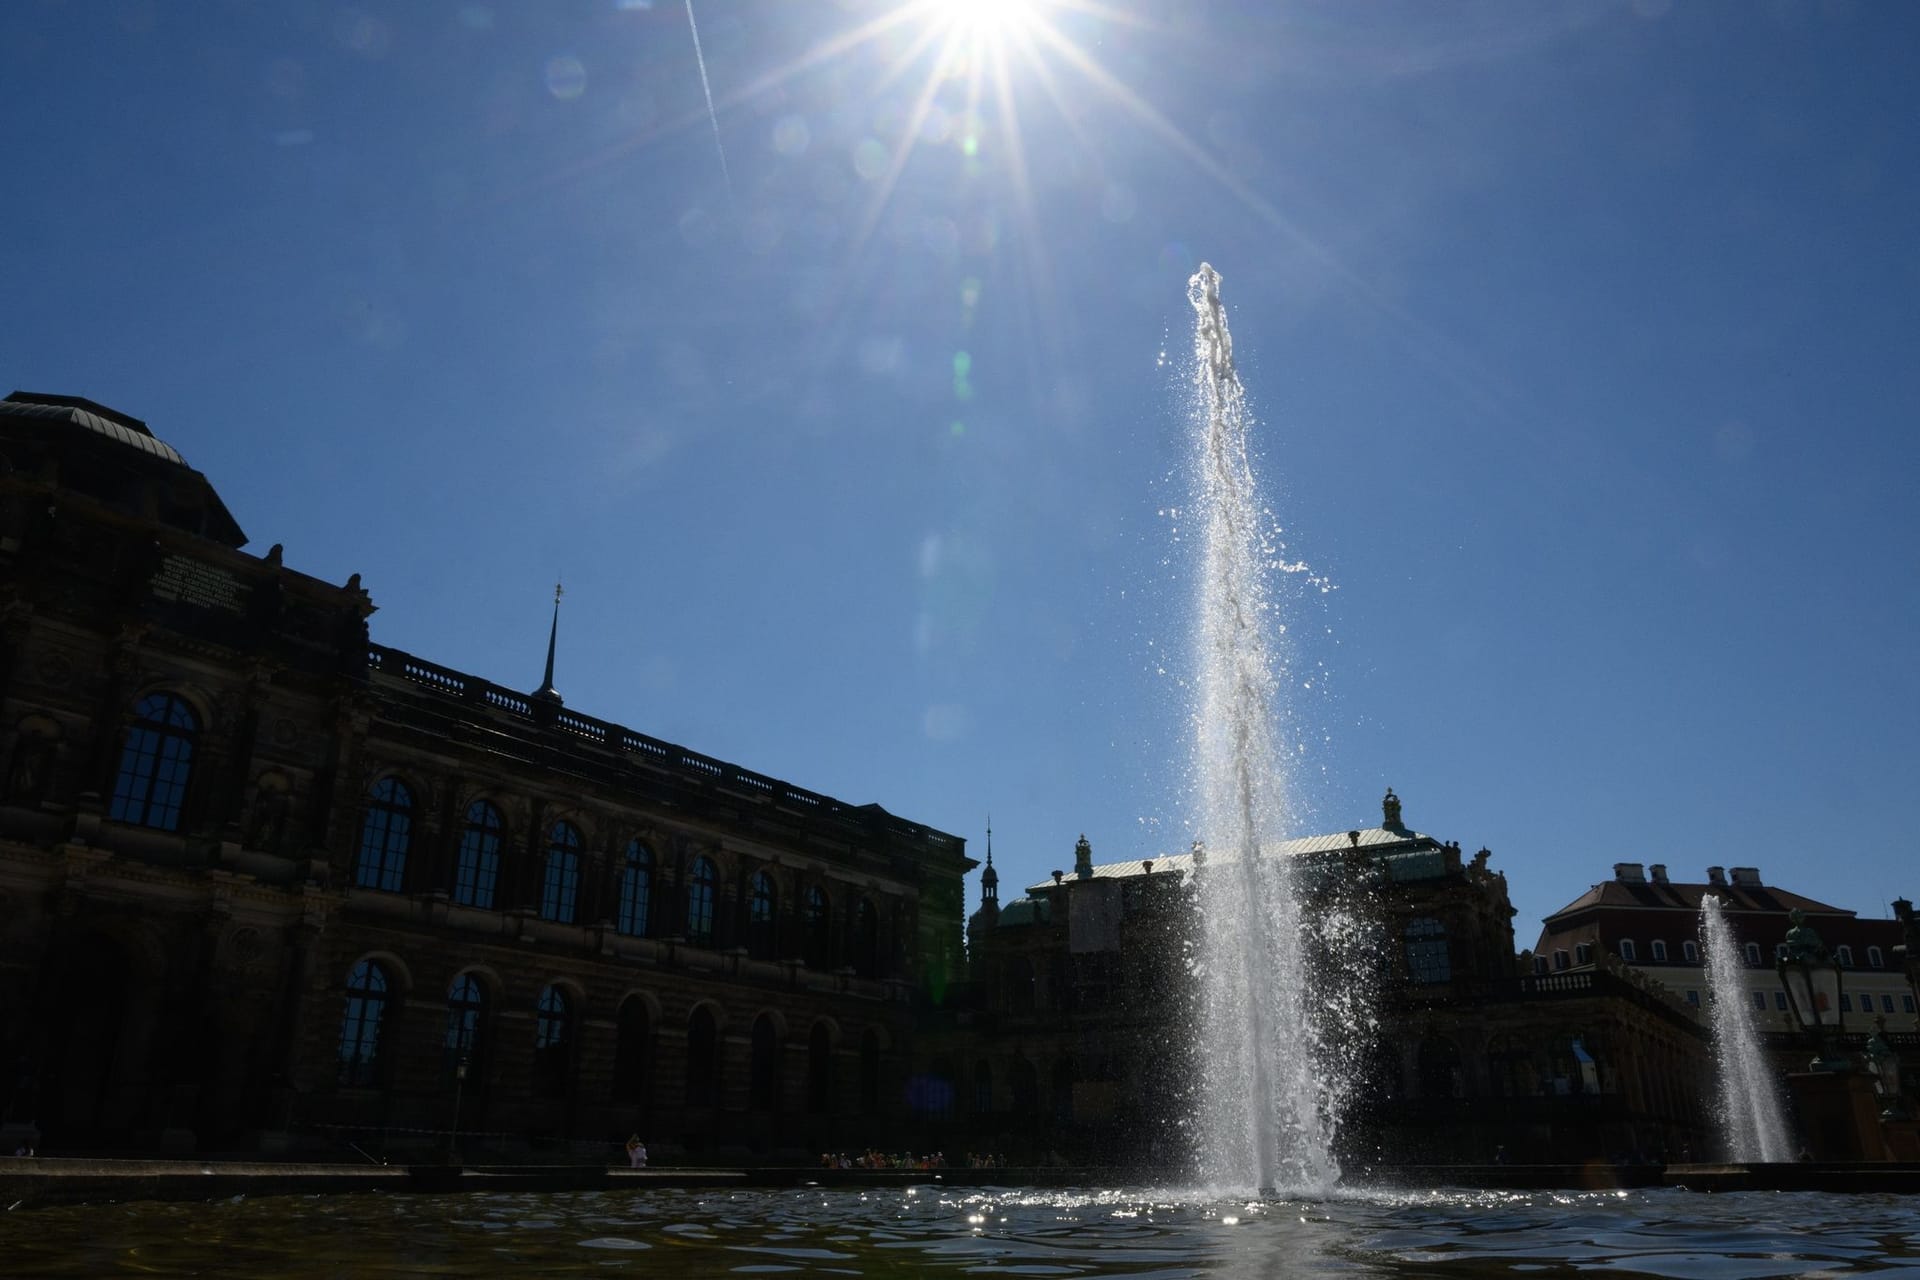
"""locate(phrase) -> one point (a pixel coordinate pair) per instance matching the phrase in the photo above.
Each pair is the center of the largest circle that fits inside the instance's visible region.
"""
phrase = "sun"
(983, 20)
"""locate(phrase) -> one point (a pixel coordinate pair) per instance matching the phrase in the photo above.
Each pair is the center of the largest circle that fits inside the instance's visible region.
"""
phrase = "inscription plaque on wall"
(190, 581)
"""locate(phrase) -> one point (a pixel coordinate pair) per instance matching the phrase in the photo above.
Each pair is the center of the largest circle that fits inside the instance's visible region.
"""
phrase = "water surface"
(934, 1231)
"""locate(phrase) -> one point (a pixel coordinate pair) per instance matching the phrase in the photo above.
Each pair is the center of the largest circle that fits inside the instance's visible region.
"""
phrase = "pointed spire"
(989, 879)
(546, 692)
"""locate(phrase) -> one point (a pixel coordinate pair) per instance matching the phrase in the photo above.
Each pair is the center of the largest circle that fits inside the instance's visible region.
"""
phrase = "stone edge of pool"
(42, 1180)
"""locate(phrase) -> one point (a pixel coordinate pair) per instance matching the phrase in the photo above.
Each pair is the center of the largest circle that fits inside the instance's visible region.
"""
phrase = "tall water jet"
(1752, 1121)
(1268, 1105)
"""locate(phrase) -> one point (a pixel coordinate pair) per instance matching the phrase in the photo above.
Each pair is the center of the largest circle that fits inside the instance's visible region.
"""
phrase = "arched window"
(1026, 1087)
(763, 1084)
(360, 1027)
(1019, 979)
(630, 1056)
(636, 889)
(384, 836)
(552, 1042)
(1628, 951)
(817, 949)
(700, 886)
(870, 1070)
(1439, 1065)
(156, 763)
(760, 916)
(820, 1068)
(866, 939)
(940, 1091)
(1065, 1075)
(1690, 951)
(560, 889)
(466, 1018)
(1752, 950)
(703, 1058)
(479, 865)
(1427, 959)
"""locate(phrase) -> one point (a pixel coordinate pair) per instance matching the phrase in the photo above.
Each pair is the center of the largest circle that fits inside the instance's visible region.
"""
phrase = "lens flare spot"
(870, 160)
(791, 136)
(566, 77)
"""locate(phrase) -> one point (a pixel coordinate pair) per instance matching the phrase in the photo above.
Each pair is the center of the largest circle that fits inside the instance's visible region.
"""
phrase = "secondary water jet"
(1269, 1092)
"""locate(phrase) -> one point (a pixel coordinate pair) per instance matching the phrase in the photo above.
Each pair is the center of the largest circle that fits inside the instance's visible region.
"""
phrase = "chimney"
(1659, 872)
(1628, 873)
(1717, 875)
(1748, 877)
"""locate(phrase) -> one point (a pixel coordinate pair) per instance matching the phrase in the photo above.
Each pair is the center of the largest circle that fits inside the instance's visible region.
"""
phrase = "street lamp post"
(1885, 1065)
(1811, 976)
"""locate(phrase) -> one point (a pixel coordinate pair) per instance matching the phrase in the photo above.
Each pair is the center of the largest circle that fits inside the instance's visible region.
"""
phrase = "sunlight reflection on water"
(1134, 1233)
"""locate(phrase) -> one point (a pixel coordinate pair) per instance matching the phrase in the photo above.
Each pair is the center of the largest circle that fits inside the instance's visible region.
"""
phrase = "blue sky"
(1583, 339)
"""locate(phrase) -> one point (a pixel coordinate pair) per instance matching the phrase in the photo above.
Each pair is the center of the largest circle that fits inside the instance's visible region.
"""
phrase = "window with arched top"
(763, 1073)
(1427, 957)
(864, 937)
(560, 885)
(359, 1049)
(817, 942)
(701, 882)
(632, 1051)
(385, 836)
(636, 889)
(870, 1070)
(477, 869)
(761, 913)
(466, 1019)
(552, 1042)
(156, 763)
(703, 1058)
(1628, 951)
(820, 1068)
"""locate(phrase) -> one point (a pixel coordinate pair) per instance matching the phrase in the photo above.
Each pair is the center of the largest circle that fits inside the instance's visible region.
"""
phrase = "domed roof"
(111, 456)
(88, 416)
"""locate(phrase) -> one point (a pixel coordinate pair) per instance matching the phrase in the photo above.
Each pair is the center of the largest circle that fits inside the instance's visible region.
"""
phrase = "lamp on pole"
(1885, 1065)
(1811, 976)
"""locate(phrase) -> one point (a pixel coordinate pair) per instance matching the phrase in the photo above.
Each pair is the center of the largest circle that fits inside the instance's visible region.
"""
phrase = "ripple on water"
(1137, 1234)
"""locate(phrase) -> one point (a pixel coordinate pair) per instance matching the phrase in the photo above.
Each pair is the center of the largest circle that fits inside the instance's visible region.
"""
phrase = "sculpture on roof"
(1390, 807)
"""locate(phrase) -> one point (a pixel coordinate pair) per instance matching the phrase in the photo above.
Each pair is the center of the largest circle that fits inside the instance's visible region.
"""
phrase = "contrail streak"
(707, 88)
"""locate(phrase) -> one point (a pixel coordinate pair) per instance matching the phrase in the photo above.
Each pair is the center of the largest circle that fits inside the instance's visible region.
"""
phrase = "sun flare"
(983, 20)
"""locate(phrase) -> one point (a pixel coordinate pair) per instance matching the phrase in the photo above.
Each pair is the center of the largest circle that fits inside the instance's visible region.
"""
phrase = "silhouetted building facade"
(264, 882)
(1088, 1037)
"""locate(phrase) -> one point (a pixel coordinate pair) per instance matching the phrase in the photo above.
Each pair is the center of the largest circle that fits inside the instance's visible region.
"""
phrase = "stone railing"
(618, 738)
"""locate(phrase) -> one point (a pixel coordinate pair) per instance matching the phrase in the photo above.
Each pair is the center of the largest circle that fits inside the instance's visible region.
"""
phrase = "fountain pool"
(931, 1230)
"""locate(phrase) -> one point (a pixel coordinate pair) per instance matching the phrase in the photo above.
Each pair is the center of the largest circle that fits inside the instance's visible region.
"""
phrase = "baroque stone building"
(264, 882)
(1086, 1031)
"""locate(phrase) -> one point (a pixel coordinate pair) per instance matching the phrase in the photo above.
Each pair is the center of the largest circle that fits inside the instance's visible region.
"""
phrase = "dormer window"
(1753, 954)
(1874, 959)
(1627, 950)
(1845, 955)
(1659, 951)
(1690, 951)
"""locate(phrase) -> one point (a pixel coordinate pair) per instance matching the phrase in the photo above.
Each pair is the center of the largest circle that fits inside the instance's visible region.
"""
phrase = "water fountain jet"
(1270, 1093)
(1752, 1121)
